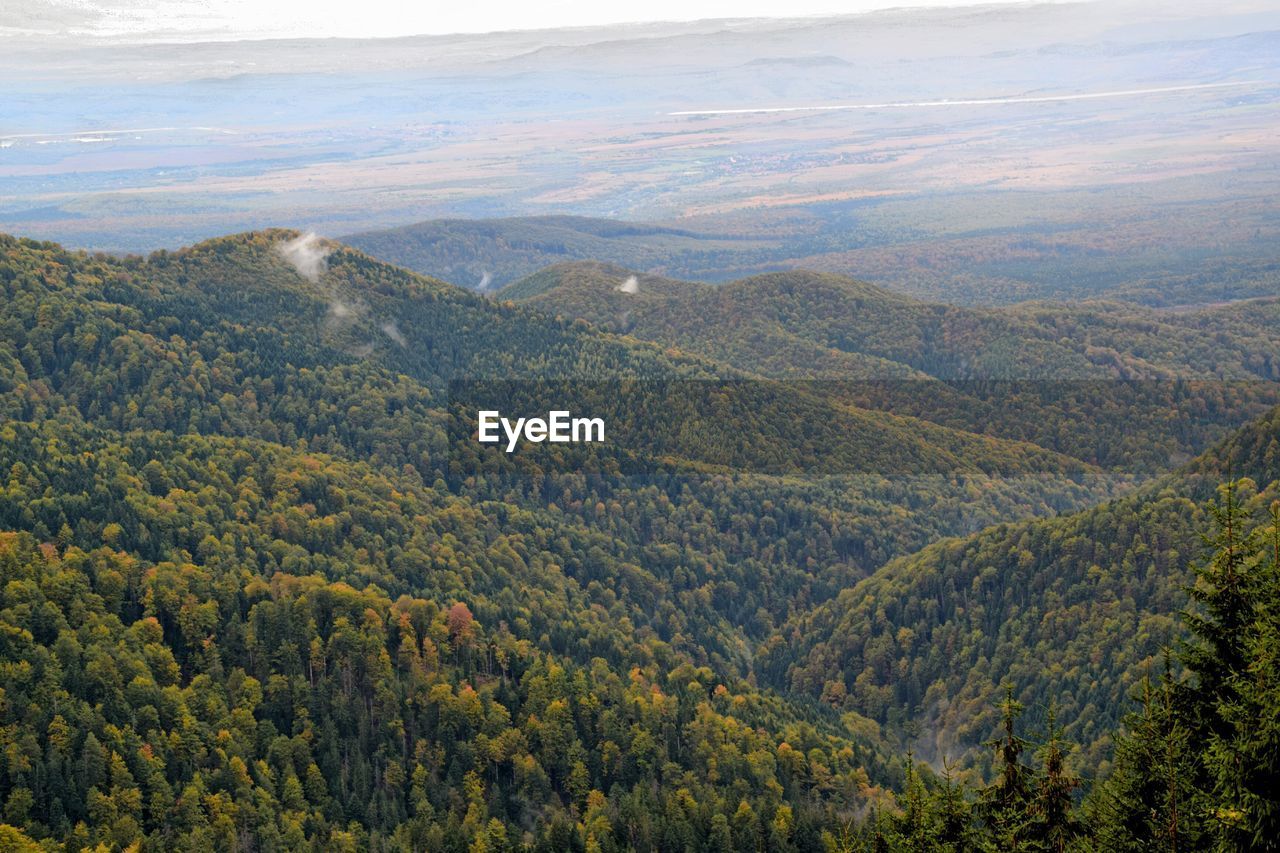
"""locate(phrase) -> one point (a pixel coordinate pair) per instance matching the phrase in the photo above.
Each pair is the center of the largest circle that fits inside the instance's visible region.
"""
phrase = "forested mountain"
(235, 508)
(1029, 372)
(1076, 608)
(383, 325)
(846, 317)
(260, 592)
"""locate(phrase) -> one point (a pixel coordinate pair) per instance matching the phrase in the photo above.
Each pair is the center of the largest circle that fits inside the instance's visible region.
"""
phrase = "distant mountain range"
(1054, 247)
(488, 254)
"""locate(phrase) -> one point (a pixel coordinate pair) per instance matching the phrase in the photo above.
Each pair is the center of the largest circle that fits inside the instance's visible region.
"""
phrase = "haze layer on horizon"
(893, 145)
(141, 21)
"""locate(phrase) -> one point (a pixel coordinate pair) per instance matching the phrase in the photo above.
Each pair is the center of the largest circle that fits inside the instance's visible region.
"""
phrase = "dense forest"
(1029, 372)
(260, 593)
(940, 630)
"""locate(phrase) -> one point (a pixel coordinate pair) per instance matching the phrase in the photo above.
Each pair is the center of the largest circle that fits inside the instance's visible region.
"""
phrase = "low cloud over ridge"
(307, 254)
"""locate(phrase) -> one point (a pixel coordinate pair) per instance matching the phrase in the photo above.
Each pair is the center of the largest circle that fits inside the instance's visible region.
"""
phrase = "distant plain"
(1166, 169)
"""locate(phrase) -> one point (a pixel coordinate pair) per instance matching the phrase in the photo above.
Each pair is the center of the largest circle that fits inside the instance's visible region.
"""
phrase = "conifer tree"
(954, 814)
(1005, 805)
(1055, 824)
(1243, 752)
(1224, 591)
(1200, 767)
(914, 827)
(1145, 803)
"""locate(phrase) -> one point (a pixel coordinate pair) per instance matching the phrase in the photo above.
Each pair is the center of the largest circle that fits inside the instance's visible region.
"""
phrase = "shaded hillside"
(1073, 609)
(1032, 372)
(1090, 340)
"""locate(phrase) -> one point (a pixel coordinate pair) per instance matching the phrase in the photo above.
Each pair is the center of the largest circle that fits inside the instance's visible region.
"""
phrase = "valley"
(250, 485)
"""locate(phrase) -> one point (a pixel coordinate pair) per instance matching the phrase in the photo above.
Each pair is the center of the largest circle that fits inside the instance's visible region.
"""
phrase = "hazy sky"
(169, 19)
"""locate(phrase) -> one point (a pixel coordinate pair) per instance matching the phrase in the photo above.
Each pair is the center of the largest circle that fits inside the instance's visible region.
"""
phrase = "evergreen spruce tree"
(1225, 592)
(914, 827)
(954, 814)
(1005, 806)
(1145, 803)
(1055, 825)
(1200, 766)
(1243, 752)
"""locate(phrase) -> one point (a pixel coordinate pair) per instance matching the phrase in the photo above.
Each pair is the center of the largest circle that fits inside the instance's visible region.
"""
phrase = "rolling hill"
(492, 253)
(1027, 372)
(1044, 341)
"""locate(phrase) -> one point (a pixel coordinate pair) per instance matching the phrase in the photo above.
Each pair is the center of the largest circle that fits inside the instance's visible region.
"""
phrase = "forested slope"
(257, 592)
(1155, 387)
(1075, 609)
(1091, 340)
